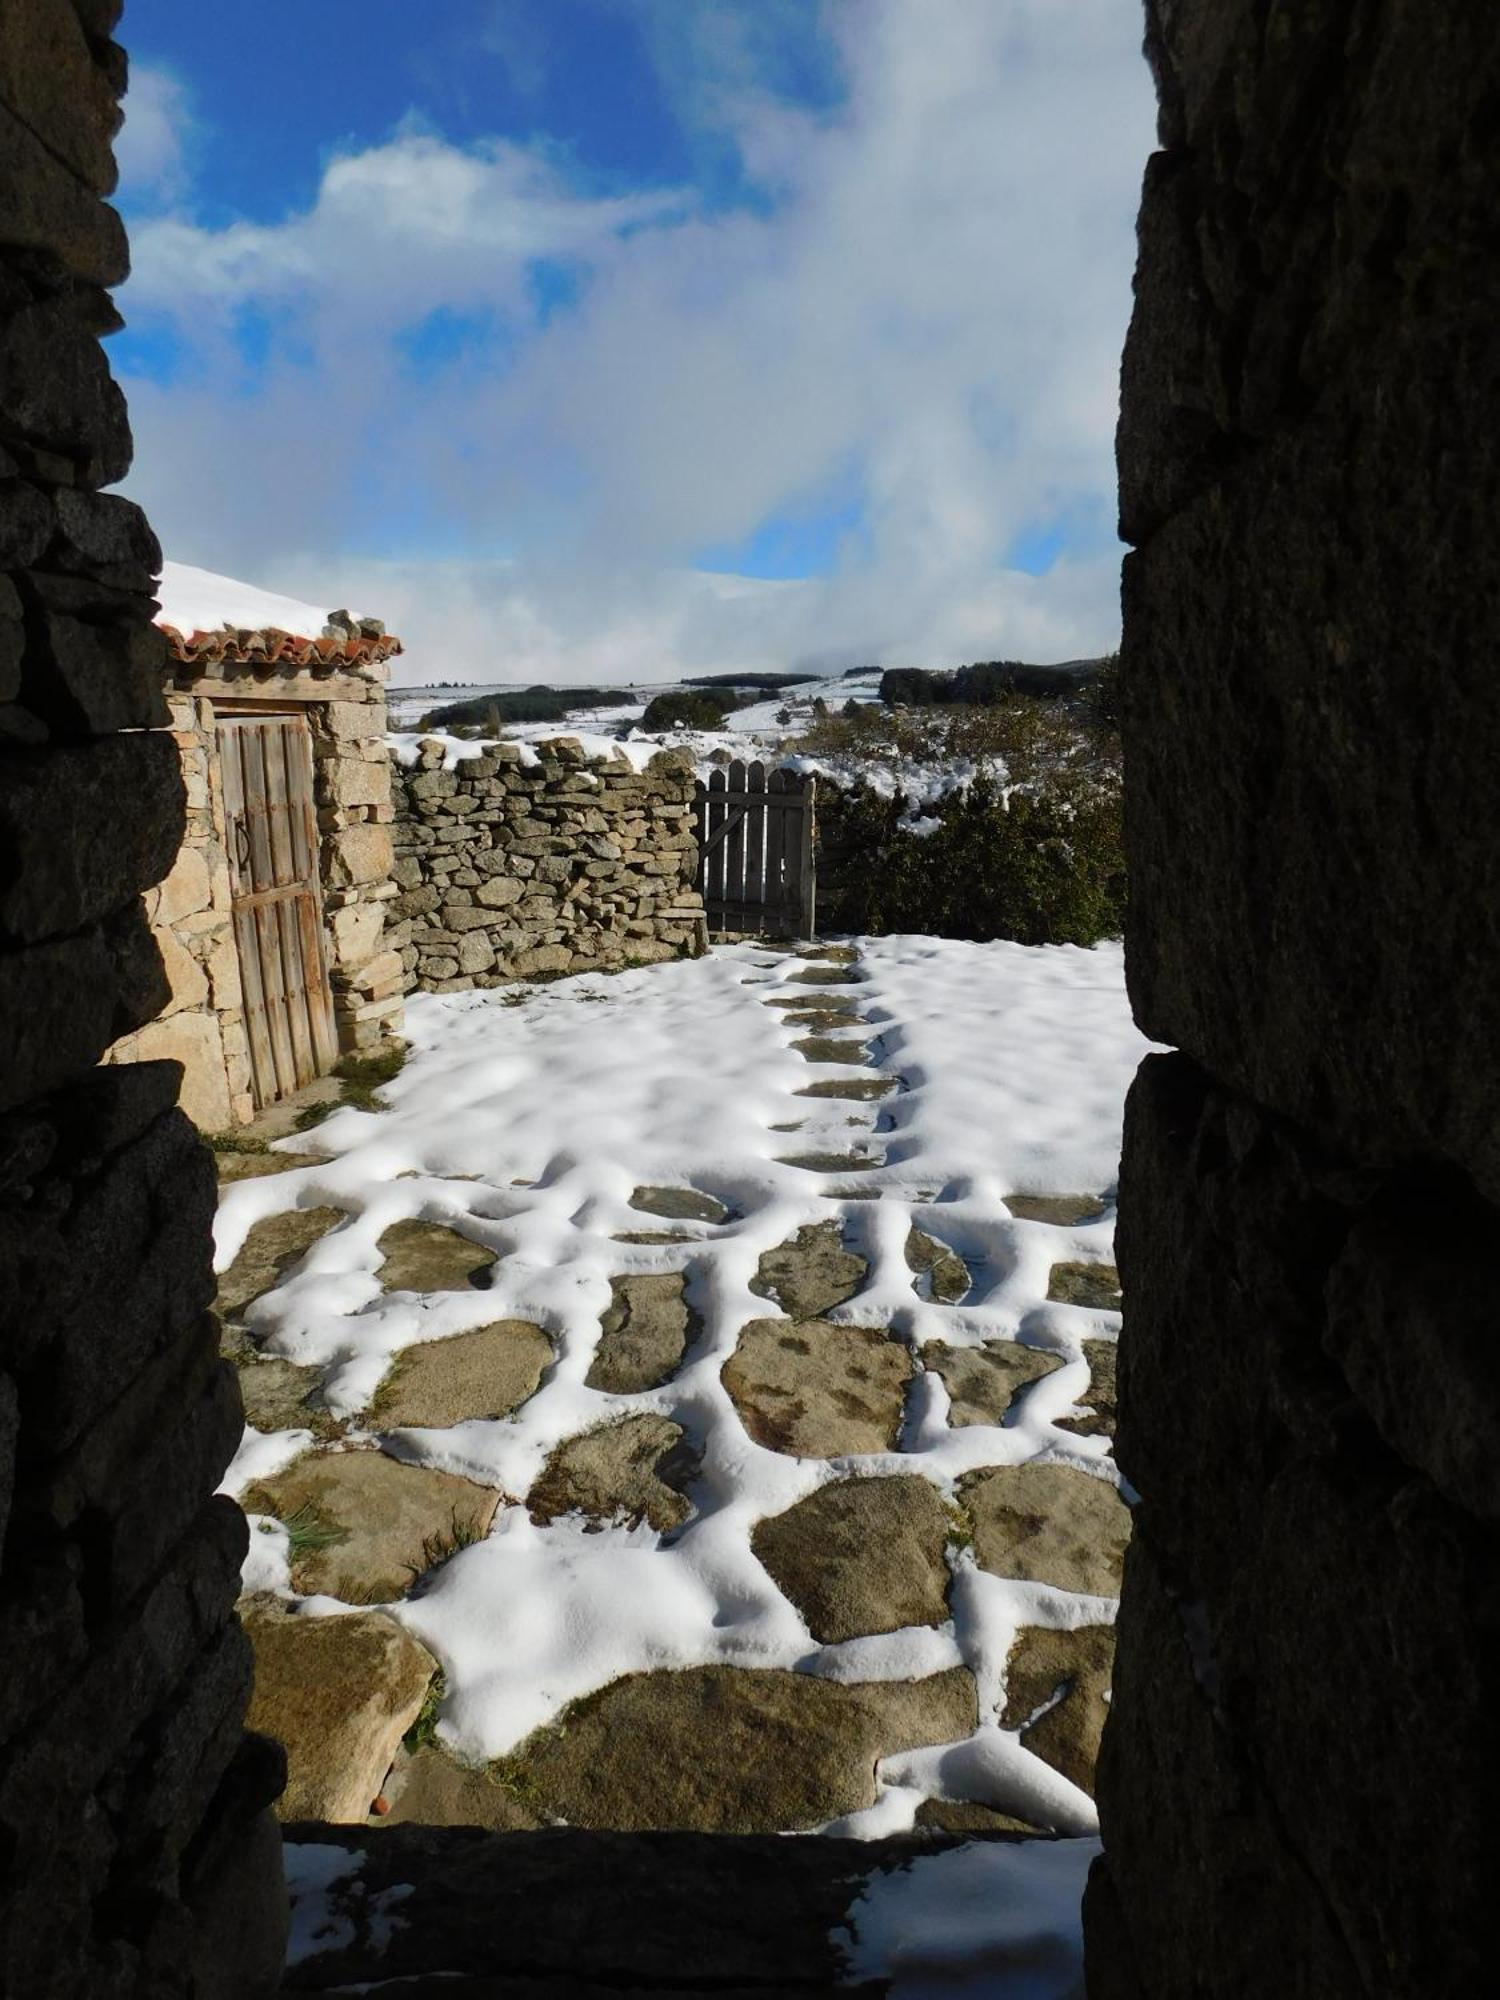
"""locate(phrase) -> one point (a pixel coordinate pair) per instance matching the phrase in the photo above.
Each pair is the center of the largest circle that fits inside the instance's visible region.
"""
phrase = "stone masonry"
(136, 1855)
(1296, 1781)
(519, 862)
(338, 683)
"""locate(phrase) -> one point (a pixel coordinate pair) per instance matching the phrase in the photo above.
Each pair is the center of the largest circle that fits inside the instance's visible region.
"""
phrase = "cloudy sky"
(615, 339)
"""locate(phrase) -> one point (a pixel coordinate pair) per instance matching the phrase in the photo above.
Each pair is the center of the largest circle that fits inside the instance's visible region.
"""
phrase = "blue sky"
(632, 337)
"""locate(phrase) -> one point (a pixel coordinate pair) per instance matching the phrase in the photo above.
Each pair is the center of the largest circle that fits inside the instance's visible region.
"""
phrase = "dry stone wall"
(516, 863)
(1296, 1779)
(135, 1856)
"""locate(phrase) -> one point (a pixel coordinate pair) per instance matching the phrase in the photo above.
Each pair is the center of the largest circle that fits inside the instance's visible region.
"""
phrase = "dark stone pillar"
(132, 1860)
(1296, 1779)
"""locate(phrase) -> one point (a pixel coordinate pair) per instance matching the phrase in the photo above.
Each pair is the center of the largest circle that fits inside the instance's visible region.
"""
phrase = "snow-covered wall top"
(195, 600)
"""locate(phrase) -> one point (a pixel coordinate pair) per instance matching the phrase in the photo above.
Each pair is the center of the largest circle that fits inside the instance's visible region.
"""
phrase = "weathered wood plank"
(267, 927)
(283, 866)
(304, 821)
(755, 844)
(807, 880)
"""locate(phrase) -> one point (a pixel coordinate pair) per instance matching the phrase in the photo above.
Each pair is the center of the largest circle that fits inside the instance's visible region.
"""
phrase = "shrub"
(1043, 865)
(688, 708)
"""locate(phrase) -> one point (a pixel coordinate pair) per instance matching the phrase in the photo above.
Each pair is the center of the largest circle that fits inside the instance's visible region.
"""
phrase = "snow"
(314, 1871)
(261, 1455)
(326, 1894)
(195, 600)
(988, 1919)
(554, 1108)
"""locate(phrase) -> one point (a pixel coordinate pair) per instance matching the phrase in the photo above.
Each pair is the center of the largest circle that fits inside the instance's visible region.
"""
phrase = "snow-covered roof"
(208, 619)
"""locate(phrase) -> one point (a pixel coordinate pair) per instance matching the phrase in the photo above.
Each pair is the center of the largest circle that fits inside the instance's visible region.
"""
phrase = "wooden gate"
(272, 830)
(755, 851)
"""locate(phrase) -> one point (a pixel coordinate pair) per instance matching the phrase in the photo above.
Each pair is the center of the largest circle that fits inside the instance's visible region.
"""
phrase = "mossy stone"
(814, 1389)
(1095, 1285)
(811, 1272)
(732, 1749)
(861, 1556)
(431, 1257)
(272, 1248)
(983, 1382)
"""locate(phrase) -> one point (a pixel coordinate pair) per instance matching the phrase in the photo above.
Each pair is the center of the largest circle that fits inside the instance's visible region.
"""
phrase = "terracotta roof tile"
(270, 648)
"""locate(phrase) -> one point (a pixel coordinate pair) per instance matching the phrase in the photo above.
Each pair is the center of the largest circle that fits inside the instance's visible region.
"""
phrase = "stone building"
(270, 923)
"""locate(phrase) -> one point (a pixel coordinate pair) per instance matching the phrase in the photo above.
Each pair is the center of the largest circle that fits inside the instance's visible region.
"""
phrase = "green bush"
(686, 708)
(1044, 866)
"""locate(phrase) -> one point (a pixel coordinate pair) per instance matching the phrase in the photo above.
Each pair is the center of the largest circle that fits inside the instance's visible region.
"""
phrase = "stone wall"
(1296, 1776)
(518, 862)
(135, 1855)
(202, 1024)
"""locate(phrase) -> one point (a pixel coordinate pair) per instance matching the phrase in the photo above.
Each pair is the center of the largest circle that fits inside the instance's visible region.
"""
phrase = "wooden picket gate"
(272, 829)
(755, 851)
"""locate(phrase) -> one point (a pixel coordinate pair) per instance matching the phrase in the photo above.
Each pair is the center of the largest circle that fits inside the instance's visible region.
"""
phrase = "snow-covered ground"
(529, 1125)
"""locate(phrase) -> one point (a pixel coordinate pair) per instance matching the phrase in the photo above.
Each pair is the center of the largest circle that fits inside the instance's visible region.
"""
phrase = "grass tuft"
(423, 1733)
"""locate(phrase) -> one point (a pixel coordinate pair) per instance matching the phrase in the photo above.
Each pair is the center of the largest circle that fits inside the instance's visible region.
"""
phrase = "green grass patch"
(235, 1142)
(444, 1545)
(423, 1733)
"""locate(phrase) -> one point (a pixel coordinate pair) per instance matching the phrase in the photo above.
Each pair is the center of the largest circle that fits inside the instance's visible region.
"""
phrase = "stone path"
(843, 1373)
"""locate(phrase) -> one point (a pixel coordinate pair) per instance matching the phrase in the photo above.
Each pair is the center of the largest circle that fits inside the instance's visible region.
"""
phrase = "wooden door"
(755, 851)
(272, 830)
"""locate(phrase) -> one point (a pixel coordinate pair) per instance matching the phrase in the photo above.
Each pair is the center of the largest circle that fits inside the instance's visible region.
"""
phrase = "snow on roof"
(211, 618)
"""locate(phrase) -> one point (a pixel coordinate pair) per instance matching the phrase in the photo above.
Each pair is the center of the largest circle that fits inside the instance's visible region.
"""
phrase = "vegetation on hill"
(987, 681)
(533, 704)
(1031, 849)
(748, 680)
(692, 708)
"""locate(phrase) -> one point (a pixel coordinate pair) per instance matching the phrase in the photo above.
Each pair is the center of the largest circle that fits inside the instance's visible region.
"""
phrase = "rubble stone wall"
(135, 1853)
(202, 1025)
(1295, 1780)
(520, 862)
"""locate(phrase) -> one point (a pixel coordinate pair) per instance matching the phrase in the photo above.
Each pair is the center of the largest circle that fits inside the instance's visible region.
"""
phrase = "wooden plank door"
(272, 830)
(755, 851)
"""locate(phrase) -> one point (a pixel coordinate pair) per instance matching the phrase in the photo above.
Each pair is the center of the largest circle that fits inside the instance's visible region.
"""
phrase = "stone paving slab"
(430, 1257)
(271, 1250)
(816, 1389)
(679, 1204)
(811, 1272)
(983, 1382)
(643, 1334)
(427, 1787)
(861, 1556)
(946, 1272)
(1063, 1211)
(377, 1525)
(486, 1373)
(1062, 1680)
(828, 1049)
(1095, 1285)
(732, 1749)
(627, 1472)
(1048, 1524)
(1098, 1401)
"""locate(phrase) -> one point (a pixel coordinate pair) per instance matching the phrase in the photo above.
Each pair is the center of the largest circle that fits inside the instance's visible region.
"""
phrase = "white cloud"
(152, 145)
(934, 303)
